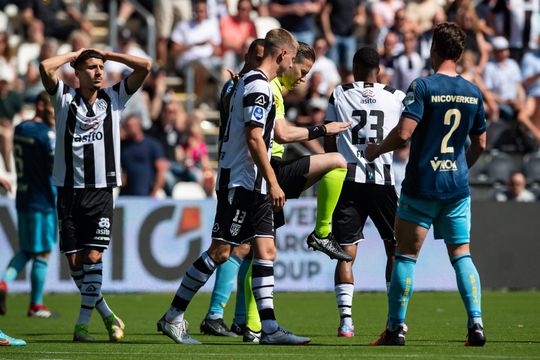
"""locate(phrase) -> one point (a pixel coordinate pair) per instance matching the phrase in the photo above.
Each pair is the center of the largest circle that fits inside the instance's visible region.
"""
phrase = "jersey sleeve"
(331, 114)
(414, 101)
(121, 92)
(256, 103)
(479, 123)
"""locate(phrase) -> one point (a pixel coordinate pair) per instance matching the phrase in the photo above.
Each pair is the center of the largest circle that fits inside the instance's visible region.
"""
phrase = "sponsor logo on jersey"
(89, 125)
(369, 96)
(94, 136)
(260, 101)
(258, 113)
(103, 227)
(443, 165)
(215, 228)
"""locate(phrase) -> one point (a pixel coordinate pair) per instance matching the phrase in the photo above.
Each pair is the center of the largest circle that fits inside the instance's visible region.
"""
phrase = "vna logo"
(443, 165)
(169, 244)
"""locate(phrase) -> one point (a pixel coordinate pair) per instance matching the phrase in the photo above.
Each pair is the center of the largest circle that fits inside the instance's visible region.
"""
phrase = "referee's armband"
(316, 131)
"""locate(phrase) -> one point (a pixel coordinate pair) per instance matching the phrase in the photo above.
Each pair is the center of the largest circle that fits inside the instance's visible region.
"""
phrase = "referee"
(87, 168)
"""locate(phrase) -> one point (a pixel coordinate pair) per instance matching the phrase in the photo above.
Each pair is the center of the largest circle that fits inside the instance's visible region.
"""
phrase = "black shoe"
(216, 327)
(251, 336)
(238, 329)
(160, 324)
(476, 336)
(329, 246)
(390, 338)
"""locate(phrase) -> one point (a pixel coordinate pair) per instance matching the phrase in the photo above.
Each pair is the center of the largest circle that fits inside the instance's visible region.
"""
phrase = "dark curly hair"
(449, 40)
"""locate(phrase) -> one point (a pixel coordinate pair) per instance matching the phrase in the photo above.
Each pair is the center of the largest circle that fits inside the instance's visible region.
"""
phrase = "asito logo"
(103, 227)
(443, 165)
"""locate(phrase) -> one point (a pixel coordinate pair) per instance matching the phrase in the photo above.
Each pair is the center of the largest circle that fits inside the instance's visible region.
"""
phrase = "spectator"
(47, 12)
(143, 161)
(29, 50)
(421, 13)
(401, 26)
(338, 20)
(388, 53)
(516, 190)
(531, 82)
(324, 71)
(8, 60)
(425, 39)
(384, 13)
(77, 40)
(32, 80)
(236, 31)
(407, 66)
(168, 13)
(475, 42)
(297, 16)
(11, 103)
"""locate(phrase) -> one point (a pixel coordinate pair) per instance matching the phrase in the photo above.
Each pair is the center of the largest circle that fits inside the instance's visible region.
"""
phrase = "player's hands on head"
(336, 127)
(371, 152)
(277, 196)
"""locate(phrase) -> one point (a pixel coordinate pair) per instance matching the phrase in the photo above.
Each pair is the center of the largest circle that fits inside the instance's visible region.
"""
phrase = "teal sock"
(225, 277)
(39, 275)
(468, 282)
(17, 263)
(240, 309)
(401, 288)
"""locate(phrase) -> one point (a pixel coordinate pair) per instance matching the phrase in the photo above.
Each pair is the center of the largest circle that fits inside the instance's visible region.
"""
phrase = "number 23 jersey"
(374, 110)
(448, 109)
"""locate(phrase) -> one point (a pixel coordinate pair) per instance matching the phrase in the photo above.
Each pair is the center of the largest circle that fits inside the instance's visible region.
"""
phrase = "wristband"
(316, 131)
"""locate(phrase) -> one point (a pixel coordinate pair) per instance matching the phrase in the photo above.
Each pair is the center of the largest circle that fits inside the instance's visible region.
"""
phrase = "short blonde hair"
(278, 39)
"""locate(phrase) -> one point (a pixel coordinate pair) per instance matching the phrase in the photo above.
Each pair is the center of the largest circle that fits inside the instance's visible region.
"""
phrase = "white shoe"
(179, 332)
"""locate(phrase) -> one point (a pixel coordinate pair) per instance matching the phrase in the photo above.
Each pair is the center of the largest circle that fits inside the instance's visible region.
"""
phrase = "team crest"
(235, 229)
(101, 105)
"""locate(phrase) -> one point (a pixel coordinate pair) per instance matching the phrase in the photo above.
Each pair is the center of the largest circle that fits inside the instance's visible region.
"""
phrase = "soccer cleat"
(251, 336)
(345, 330)
(329, 246)
(3, 295)
(40, 311)
(238, 329)
(80, 334)
(476, 336)
(390, 338)
(6, 340)
(115, 326)
(283, 337)
(161, 323)
(216, 327)
(178, 332)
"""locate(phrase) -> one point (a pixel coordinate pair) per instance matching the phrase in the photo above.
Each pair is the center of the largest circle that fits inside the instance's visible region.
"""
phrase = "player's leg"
(239, 321)
(18, 261)
(344, 290)
(453, 225)
(253, 329)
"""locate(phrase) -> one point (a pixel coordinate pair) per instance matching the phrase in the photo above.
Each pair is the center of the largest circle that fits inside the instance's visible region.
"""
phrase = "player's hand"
(336, 127)
(277, 197)
(371, 152)
(234, 75)
(5, 184)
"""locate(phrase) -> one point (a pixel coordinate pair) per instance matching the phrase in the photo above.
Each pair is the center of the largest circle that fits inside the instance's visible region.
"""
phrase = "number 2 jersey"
(252, 103)
(447, 110)
(374, 110)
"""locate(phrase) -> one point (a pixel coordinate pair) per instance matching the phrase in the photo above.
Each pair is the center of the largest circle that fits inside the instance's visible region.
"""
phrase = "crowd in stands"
(197, 41)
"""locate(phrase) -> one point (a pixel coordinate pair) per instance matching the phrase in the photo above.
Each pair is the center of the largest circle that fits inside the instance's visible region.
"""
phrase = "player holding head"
(87, 168)
(248, 192)
(441, 112)
(369, 186)
(36, 209)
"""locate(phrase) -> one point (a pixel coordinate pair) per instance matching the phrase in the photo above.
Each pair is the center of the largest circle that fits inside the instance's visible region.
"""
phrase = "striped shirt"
(87, 153)
(374, 110)
(252, 103)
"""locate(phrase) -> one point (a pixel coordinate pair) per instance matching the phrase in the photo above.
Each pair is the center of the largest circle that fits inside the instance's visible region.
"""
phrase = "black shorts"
(85, 218)
(292, 180)
(242, 215)
(357, 202)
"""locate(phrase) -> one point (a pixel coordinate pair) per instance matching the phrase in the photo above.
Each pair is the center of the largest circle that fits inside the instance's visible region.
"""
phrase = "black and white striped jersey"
(252, 103)
(374, 110)
(87, 153)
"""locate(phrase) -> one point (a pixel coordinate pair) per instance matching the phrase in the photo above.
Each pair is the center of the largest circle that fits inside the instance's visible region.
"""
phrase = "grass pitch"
(436, 329)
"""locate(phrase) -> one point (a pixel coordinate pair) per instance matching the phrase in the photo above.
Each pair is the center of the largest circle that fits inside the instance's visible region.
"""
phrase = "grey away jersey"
(87, 153)
(374, 110)
(252, 103)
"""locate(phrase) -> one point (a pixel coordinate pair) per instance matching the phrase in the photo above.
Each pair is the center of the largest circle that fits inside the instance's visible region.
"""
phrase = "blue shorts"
(451, 219)
(37, 231)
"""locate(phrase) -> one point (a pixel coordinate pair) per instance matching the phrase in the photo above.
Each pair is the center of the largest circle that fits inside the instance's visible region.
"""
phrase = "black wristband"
(316, 131)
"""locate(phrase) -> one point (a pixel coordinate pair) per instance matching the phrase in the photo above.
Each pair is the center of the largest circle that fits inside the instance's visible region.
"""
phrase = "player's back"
(447, 110)
(374, 110)
(33, 147)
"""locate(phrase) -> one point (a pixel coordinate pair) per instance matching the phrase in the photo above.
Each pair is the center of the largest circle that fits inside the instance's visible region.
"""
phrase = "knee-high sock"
(225, 276)
(401, 289)
(38, 278)
(240, 308)
(253, 321)
(263, 291)
(16, 264)
(90, 290)
(196, 276)
(468, 282)
(327, 198)
(101, 305)
(344, 298)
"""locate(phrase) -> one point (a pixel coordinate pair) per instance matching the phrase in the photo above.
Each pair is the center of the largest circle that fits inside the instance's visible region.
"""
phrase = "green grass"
(436, 329)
